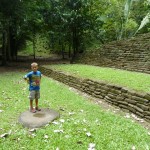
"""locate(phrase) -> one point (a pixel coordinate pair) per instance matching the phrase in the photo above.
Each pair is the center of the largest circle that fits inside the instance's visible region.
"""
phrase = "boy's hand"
(26, 79)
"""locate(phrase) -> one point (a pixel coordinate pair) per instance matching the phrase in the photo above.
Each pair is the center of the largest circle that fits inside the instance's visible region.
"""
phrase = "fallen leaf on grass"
(55, 122)
(91, 146)
(33, 135)
(88, 134)
(84, 120)
(96, 120)
(58, 131)
(133, 148)
(17, 139)
(81, 110)
(84, 129)
(5, 134)
(137, 118)
(1, 111)
(32, 130)
(127, 116)
(71, 113)
(45, 136)
(62, 120)
(67, 136)
(62, 109)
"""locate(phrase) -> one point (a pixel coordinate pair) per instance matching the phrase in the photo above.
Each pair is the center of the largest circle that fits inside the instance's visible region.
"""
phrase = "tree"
(10, 19)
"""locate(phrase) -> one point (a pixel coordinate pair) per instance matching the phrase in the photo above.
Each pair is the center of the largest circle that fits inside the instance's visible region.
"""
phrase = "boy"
(34, 78)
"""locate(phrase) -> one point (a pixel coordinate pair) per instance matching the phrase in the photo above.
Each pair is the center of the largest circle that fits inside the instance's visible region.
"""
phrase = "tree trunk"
(4, 59)
(69, 50)
(62, 51)
(8, 51)
(34, 46)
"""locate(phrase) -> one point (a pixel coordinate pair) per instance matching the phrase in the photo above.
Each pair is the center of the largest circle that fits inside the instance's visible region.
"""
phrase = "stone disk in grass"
(38, 119)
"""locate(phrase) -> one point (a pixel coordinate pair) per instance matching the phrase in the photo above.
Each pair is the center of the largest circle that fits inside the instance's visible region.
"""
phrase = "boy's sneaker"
(37, 108)
(32, 110)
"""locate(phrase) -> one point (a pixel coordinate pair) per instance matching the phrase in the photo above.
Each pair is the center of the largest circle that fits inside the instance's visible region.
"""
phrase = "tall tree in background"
(70, 22)
(10, 20)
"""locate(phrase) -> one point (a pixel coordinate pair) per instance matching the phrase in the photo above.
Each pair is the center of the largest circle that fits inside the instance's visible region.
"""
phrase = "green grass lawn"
(82, 122)
(131, 80)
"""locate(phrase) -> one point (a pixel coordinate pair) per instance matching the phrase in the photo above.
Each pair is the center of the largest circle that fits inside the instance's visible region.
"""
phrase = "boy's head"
(34, 66)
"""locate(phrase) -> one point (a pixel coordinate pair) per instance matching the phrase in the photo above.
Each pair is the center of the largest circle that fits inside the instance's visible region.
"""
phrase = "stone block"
(130, 101)
(145, 108)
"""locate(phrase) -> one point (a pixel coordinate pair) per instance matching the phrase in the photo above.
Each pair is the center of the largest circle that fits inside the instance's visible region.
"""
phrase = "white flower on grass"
(148, 133)
(57, 148)
(91, 146)
(88, 134)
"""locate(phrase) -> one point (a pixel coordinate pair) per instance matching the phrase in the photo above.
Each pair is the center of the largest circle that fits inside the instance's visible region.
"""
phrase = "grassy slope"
(132, 80)
(108, 131)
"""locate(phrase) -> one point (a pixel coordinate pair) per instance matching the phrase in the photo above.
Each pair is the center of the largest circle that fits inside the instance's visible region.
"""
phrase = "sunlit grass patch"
(132, 80)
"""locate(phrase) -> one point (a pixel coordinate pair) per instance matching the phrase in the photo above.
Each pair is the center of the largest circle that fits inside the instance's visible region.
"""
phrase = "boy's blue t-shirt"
(34, 80)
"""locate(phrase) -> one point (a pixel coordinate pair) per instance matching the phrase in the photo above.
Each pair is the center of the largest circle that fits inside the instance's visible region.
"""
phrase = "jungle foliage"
(69, 25)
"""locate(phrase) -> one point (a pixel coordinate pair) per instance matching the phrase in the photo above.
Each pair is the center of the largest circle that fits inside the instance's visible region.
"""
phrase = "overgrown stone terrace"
(129, 100)
(132, 54)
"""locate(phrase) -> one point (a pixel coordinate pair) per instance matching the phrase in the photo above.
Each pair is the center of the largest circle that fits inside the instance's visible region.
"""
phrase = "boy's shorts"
(34, 95)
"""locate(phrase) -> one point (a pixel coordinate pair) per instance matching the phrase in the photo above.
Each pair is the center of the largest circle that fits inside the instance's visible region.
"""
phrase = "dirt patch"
(24, 63)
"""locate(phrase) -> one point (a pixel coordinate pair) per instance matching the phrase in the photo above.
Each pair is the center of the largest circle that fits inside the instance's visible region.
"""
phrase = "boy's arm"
(26, 78)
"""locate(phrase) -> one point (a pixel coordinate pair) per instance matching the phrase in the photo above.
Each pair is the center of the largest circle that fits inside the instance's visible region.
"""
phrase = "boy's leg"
(36, 104)
(31, 107)
(32, 97)
(36, 100)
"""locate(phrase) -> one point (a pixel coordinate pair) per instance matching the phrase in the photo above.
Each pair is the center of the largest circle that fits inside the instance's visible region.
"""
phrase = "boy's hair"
(34, 64)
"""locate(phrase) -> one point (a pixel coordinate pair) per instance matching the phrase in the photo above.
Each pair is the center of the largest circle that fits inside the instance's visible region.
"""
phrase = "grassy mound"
(132, 80)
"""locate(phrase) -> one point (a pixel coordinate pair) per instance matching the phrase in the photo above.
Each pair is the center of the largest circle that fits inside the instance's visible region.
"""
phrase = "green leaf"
(145, 21)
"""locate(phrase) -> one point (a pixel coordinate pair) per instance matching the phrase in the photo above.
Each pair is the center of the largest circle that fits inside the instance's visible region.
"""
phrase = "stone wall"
(135, 102)
(132, 54)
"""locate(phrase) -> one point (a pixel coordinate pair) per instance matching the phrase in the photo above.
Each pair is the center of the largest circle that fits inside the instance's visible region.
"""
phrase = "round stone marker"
(38, 119)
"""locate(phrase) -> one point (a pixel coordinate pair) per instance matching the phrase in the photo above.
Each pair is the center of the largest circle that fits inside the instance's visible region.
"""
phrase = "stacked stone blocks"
(129, 100)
